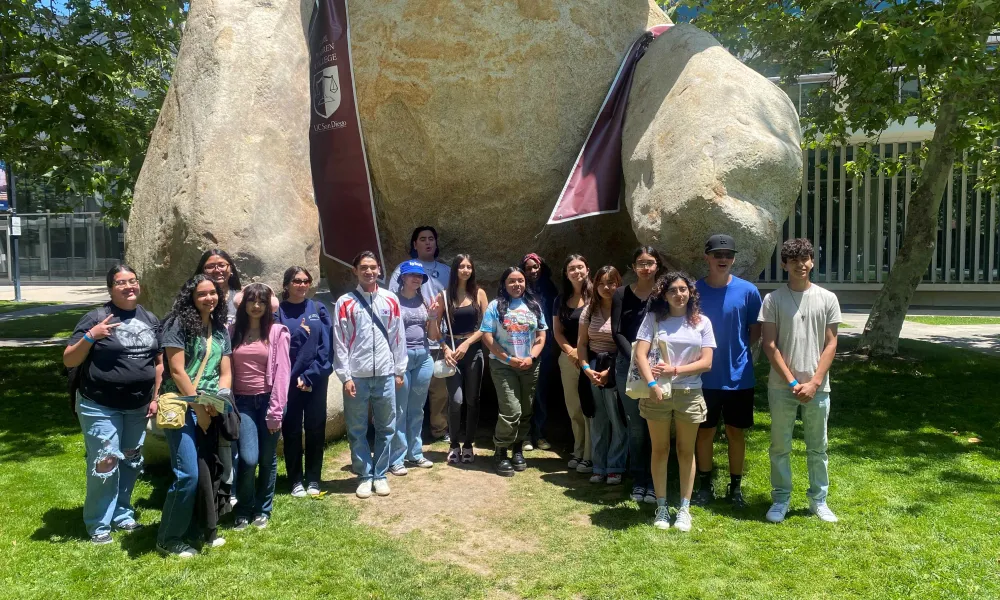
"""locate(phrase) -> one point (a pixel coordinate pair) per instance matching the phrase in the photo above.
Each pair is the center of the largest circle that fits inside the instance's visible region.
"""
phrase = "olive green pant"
(515, 391)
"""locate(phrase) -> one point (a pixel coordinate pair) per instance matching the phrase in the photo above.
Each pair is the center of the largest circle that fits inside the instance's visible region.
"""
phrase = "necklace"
(798, 305)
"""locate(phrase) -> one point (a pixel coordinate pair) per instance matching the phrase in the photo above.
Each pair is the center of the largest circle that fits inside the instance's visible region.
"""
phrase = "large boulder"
(709, 146)
(228, 162)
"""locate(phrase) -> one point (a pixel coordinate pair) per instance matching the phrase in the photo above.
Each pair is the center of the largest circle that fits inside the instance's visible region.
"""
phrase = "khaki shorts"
(686, 406)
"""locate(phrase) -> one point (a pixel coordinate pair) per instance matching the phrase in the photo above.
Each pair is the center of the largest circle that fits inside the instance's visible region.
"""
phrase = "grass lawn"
(58, 325)
(946, 320)
(917, 494)
(7, 306)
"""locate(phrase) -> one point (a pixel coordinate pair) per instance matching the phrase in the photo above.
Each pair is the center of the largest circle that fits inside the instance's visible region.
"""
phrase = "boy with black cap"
(733, 306)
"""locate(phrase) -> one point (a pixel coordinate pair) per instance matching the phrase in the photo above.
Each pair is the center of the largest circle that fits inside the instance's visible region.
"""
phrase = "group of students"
(428, 338)
(268, 360)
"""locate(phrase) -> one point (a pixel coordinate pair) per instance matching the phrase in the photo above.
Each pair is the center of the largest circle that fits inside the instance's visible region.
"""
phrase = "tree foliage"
(81, 84)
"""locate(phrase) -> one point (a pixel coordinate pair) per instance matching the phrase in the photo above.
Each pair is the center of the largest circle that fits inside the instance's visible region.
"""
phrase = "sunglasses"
(729, 255)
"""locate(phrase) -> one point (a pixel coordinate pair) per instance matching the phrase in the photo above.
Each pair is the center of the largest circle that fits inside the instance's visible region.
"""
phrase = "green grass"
(918, 504)
(946, 320)
(56, 325)
(7, 306)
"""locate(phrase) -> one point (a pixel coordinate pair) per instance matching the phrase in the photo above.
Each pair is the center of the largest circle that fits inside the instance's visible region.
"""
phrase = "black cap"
(720, 241)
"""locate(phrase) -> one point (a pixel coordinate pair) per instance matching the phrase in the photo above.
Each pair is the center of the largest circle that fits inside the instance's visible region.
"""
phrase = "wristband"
(87, 337)
(585, 367)
(651, 384)
(507, 360)
(794, 383)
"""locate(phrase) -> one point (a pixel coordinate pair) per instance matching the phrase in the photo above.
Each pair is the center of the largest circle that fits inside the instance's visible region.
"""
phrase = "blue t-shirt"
(517, 332)
(732, 310)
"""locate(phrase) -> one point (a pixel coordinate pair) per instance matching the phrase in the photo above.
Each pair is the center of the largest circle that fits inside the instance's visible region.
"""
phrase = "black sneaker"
(518, 461)
(99, 539)
(129, 526)
(504, 468)
(734, 495)
(704, 496)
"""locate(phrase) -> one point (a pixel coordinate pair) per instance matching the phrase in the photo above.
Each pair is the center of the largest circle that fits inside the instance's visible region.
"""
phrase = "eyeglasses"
(301, 281)
(217, 267)
(728, 255)
(126, 282)
(646, 264)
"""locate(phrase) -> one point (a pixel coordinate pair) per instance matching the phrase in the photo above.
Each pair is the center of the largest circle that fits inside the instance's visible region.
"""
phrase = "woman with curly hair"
(194, 333)
(675, 320)
(514, 332)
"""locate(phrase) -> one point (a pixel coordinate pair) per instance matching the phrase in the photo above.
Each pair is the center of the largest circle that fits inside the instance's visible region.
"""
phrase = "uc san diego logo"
(326, 91)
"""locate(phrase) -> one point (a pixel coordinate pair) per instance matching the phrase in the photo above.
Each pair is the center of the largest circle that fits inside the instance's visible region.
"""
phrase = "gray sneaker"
(261, 522)
(241, 524)
(298, 491)
(777, 512)
(180, 550)
(99, 539)
(662, 518)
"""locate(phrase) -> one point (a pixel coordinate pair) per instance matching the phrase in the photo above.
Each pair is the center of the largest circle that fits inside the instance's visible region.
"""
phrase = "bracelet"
(794, 383)
(651, 384)
(675, 372)
(88, 337)
(507, 360)
(585, 367)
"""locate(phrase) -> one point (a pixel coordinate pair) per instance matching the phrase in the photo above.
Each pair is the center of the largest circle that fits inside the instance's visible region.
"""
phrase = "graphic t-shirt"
(732, 309)
(684, 343)
(120, 369)
(516, 333)
(194, 351)
(801, 319)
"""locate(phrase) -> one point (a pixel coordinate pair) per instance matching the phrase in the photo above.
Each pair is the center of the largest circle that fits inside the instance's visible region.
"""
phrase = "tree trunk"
(881, 334)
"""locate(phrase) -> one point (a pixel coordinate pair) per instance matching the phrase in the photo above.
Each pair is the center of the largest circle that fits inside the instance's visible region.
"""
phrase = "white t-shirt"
(684, 343)
(801, 319)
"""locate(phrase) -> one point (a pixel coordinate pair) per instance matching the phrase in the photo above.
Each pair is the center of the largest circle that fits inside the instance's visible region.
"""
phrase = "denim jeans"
(607, 433)
(639, 447)
(305, 410)
(179, 505)
(379, 393)
(257, 446)
(410, 396)
(113, 439)
(784, 406)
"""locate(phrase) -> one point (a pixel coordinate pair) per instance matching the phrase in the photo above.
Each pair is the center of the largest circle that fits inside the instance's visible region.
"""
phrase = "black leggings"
(308, 409)
(463, 388)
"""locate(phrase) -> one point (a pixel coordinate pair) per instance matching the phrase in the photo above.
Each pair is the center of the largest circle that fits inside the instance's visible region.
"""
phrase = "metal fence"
(62, 246)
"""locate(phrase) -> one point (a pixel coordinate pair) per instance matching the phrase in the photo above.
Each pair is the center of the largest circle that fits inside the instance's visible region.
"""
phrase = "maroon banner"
(594, 183)
(341, 181)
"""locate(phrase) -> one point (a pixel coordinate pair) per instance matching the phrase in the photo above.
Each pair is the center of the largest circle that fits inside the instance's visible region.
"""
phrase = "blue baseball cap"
(412, 267)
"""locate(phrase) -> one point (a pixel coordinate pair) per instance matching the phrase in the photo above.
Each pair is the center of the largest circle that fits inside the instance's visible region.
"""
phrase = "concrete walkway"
(981, 338)
(41, 310)
(31, 342)
(89, 293)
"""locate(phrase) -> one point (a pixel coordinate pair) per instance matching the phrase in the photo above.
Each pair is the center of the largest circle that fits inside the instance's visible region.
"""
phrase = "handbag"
(442, 370)
(171, 411)
(635, 385)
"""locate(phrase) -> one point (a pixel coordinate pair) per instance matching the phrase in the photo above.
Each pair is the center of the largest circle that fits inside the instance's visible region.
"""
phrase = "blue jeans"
(406, 442)
(379, 393)
(113, 439)
(639, 447)
(179, 505)
(257, 446)
(608, 435)
(784, 406)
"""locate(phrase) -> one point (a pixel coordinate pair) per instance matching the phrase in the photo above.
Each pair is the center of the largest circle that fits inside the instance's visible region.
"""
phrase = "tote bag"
(635, 385)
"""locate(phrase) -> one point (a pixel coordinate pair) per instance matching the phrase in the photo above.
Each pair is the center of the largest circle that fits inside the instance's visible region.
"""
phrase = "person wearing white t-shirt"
(674, 319)
(799, 335)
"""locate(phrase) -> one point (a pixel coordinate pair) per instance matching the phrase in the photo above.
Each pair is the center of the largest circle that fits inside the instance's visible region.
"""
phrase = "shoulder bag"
(635, 385)
(171, 411)
(442, 370)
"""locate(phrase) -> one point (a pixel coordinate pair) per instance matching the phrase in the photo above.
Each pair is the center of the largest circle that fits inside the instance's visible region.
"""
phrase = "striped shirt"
(598, 330)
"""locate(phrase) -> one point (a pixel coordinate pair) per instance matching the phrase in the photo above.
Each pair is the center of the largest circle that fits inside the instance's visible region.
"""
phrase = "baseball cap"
(412, 267)
(720, 241)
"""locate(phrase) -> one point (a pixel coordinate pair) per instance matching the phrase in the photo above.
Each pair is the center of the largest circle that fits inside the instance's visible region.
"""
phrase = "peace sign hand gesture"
(103, 329)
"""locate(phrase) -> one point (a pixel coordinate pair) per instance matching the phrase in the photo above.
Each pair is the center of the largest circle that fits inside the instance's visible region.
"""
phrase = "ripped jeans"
(113, 439)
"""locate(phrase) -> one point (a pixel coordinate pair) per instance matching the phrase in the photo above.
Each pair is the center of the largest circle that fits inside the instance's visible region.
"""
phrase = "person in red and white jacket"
(370, 359)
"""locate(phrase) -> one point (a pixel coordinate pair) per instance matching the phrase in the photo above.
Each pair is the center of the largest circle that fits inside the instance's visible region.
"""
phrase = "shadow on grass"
(35, 417)
(61, 525)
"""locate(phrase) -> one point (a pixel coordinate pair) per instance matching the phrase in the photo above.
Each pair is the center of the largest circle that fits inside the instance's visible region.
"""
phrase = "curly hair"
(504, 299)
(658, 299)
(796, 249)
(187, 315)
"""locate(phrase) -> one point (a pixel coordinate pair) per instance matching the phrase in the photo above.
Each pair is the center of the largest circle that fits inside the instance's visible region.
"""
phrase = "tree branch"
(21, 75)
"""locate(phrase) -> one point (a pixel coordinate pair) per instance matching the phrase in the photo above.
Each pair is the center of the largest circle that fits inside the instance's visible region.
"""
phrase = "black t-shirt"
(120, 370)
(571, 326)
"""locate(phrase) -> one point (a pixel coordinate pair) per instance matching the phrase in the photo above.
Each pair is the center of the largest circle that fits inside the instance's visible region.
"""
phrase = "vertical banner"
(594, 183)
(341, 181)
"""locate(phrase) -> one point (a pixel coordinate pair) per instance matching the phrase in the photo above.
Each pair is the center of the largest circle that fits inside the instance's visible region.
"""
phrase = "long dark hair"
(595, 300)
(660, 266)
(586, 291)
(658, 299)
(254, 292)
(290, 274)
(471, 287)
(234, 274)
(504, 299)
(188, 316)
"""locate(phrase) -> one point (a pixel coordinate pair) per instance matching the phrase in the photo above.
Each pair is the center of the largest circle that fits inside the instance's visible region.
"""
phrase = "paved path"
(31, 342)
(981, 338)
(89, 293)
(41, 310)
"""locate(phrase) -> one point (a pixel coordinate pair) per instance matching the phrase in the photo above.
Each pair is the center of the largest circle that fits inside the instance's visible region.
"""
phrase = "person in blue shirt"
(733, 306)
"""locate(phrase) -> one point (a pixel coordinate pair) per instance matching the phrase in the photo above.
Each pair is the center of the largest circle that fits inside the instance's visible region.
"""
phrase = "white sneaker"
(398, 470)
(585, 466)
(423, 463)
(298, 491)
(313, 489)
(573, 462)
(683, 520)
(527, 447)
(777, 512)
(595, 478)
(382, 487)
(261, 522)
(821, 510)
(662, 518)
(216, 543)
(364, 489)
